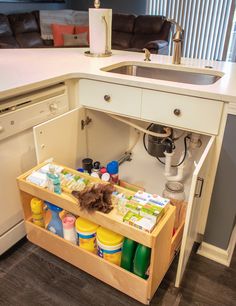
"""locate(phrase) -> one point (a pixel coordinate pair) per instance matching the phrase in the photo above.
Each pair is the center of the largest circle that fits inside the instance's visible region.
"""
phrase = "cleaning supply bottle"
(54, 182)
(36, 206)
(112, 169)
(128, 252)
(69, 232)
(55, 224)
(142, 261)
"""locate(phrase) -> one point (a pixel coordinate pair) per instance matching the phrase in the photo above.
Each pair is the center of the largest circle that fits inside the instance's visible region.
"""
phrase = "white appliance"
(18, 115)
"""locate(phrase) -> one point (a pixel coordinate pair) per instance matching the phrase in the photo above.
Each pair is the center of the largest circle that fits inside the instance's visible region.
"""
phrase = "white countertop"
(25, 69)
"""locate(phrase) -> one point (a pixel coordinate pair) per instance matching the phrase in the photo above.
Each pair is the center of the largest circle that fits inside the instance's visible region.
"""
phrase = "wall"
(221, 218)
(118, 6)
(9, 8)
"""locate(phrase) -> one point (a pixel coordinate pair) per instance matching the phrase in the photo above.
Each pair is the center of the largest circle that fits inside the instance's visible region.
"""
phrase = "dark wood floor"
(32, 276)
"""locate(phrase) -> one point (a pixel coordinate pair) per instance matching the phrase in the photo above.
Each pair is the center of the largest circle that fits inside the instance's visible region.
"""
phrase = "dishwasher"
(18, 116)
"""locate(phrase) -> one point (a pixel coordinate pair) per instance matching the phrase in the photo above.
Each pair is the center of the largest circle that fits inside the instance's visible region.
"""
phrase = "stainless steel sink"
(182, 76)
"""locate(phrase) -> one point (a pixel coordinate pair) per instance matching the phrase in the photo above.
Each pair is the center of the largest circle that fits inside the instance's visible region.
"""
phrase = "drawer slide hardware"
(199, 194)
(85, 122)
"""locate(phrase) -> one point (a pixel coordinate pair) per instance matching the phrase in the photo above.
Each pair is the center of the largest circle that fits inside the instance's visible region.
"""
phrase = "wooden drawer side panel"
(113, 275)
(160, 258)
(176, 241)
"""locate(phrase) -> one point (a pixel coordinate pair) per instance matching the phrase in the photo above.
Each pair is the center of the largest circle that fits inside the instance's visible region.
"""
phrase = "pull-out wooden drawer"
(110, 97)
(197, 114)
(159, 241)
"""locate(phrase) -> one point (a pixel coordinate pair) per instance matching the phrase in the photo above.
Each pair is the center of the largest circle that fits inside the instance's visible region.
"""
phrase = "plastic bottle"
(69, 232)
(112, 169)
(36, 206)
(96, 169)
(87, 164)
(141, 261)
(55, 224)
(54, 182)
(128, 252)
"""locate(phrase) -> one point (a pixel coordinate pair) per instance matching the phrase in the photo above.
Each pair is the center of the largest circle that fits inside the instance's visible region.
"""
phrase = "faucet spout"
(177, 40)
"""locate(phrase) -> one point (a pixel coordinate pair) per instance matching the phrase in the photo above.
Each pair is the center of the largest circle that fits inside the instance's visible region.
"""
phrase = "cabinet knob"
(177, 112)
(107, 98)
(1, 129)
(53, 107)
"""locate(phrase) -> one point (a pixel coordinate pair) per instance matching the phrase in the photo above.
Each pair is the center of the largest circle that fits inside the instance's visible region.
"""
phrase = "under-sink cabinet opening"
(90, 133)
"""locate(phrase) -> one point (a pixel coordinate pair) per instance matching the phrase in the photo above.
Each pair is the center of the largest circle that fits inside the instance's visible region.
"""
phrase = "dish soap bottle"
(142, 261)
(54, 182)
(128, 252)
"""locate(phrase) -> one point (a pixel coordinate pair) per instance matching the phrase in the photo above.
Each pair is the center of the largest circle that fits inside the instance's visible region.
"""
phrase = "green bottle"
(128, 252)
(141, 261)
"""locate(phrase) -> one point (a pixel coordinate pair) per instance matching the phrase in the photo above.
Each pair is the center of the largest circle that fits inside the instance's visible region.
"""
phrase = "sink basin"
(166, 74)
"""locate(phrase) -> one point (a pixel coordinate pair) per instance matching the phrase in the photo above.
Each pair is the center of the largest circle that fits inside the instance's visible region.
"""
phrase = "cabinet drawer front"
(110, 97)
(182, 111)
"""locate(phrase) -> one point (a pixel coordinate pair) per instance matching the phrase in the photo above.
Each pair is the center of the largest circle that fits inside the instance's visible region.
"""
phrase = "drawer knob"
(107, 98)
(1, 129)
(177, 112)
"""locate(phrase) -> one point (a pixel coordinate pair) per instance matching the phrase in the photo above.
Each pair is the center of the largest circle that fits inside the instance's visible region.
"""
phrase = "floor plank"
(32, 276)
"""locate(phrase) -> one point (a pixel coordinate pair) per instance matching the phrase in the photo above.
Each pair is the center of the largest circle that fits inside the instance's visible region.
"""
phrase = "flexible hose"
(145, 131)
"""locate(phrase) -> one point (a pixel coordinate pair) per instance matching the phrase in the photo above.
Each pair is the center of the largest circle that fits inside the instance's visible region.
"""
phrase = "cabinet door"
(61, 138)
(193, 209)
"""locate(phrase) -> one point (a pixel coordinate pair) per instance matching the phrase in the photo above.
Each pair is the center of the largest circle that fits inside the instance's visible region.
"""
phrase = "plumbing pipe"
(168, 161)
(164, 135)
(179, 176)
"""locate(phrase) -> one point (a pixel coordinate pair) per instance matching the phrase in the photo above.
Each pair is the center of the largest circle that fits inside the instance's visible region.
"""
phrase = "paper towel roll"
(99, 33)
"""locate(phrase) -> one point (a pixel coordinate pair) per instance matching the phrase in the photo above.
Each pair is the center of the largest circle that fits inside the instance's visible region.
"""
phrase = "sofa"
(129, 32)
(133, 33)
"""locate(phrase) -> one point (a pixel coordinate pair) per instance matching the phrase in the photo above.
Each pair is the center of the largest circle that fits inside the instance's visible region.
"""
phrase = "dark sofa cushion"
(123, 23)
(149, 28)
(23, 23)
(122, 30)
(29, 40)
(146, 24)
(6, 36)
(5, 29)
(8, 42)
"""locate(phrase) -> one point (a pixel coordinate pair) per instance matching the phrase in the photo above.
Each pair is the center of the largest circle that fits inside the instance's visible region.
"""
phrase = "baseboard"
(217, 254)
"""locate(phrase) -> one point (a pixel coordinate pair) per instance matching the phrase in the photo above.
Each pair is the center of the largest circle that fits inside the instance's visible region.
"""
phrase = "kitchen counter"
(26, 69)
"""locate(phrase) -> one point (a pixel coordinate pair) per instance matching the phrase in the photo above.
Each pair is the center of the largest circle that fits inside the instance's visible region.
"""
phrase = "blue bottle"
(54, 180)
(55, 224)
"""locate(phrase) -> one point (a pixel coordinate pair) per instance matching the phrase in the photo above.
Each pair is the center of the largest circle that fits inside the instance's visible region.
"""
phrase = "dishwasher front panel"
(17, 152)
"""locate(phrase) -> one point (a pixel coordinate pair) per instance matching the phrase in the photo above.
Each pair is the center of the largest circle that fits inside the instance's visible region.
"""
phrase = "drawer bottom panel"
(107, 272)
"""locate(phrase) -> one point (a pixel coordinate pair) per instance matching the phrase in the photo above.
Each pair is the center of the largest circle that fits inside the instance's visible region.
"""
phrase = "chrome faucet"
(177, 40)
(147, 55)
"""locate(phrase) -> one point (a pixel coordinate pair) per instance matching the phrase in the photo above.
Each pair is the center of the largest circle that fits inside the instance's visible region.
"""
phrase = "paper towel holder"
(107, 53)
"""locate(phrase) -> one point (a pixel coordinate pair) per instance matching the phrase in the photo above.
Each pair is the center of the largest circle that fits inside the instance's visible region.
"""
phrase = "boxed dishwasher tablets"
(138, 221)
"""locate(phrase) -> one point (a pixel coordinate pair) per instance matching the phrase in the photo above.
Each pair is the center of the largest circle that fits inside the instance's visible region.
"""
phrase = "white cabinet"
(110, 97)
(191, 113)
(105, 139)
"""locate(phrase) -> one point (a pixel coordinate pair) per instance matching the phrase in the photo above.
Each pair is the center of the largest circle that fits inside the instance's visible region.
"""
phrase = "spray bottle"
(55, 224)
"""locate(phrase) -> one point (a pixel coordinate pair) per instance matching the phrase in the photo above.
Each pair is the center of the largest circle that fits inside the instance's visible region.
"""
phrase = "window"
(205, 24)
(231, 56)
